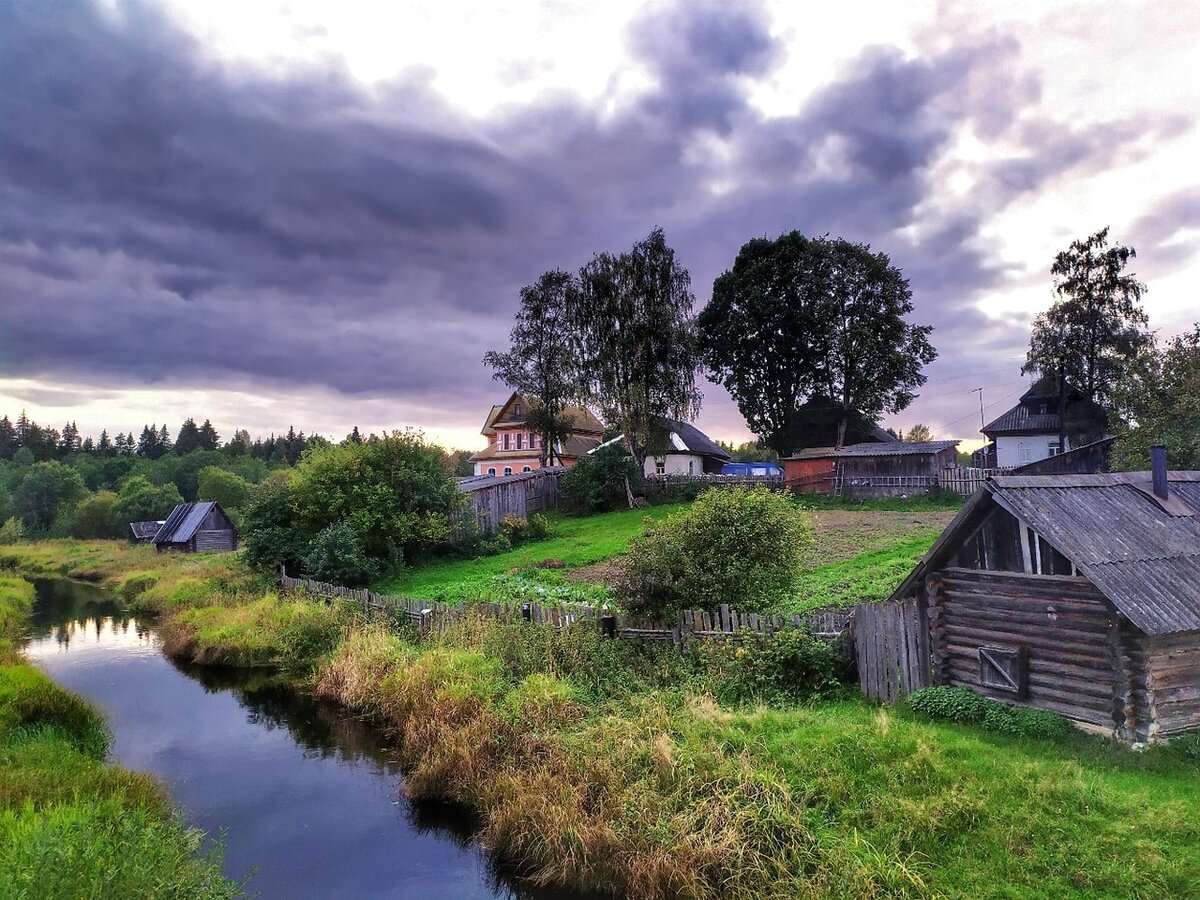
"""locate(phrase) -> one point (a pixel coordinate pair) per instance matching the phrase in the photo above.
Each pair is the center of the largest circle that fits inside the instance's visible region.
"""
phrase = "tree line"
(799, 331)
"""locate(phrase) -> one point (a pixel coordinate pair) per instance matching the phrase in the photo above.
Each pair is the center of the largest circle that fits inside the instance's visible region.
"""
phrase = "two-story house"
(513, 448)
(1030, 430)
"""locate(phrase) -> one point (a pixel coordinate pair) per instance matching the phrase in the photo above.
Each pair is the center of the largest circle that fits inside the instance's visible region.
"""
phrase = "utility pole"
(979, 391)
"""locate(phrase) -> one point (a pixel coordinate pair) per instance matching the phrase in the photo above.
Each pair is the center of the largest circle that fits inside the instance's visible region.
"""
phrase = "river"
(306, 799)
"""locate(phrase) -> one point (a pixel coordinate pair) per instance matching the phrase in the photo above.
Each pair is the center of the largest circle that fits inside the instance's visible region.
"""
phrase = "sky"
(321, 215)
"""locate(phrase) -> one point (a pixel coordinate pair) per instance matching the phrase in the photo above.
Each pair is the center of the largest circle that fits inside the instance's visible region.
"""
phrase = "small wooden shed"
(1073, 593)
(870, 469)
(197, 527)
(144, 532)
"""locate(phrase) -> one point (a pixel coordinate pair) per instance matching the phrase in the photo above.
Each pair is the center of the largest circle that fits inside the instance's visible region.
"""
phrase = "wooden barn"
(1073, 593)
(489, 498)
(195, 528)
(870, 469)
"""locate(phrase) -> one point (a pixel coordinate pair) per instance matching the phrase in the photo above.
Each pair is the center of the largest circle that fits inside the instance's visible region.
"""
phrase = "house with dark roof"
(196, 528)
(871, 469)
(689, 451)
(1029, 432)
(1073, 593)
(513, 447)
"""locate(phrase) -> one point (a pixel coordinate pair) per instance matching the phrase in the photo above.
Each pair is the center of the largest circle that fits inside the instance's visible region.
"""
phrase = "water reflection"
(306, 796)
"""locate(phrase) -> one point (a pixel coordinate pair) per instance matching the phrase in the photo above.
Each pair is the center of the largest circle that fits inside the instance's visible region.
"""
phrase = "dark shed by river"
(1074, 593)
(197, 527)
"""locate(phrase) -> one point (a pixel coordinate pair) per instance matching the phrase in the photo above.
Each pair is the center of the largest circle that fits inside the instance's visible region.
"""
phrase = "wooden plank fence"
(965, 481)
(891, 647)
(490, 498)
(661, 483)
(431, 615)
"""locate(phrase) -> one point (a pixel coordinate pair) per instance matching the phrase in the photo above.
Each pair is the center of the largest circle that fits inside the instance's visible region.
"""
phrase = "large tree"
(636, 341)
(801, 329)
(542, 360)
(1096, 326)
(1157, 401)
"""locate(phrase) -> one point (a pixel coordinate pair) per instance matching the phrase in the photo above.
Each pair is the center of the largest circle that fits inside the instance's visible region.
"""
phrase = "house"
(143, 532)
(1029, 432)
(1086, 459)
(871, 469)
(1073, 593)
(195, 528)
(513, 448)
(689, 452)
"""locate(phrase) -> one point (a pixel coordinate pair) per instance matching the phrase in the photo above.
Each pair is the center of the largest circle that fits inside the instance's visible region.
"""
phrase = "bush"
(1186, 745)
(515, 528)
(94, 517)
(740, 546)
(597, 481)
(335, 556)
(494, 544)
(229, 490)
(11, 531)
(539, 527)
(141, 501)
(786, 666)
(964, 706)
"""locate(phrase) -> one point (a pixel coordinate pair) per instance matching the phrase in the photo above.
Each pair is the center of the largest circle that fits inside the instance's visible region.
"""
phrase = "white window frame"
(660, 465)
(491, 471)
(1024, 452)
(526, 469)
(507, 439)
(508, 470)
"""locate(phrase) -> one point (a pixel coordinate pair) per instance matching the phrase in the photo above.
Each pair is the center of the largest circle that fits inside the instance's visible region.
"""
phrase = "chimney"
(1158, 470)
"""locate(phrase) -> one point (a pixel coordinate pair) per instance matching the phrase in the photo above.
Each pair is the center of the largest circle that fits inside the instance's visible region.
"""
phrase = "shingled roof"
(1141, 552)
(693, 440)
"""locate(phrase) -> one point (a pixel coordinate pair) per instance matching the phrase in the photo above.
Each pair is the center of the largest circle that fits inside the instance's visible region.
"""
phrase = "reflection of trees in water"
(66, 611)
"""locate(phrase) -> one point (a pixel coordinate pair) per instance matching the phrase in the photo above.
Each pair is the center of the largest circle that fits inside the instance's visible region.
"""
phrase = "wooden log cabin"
(1074, 593)
(196, 528)
(872, 469)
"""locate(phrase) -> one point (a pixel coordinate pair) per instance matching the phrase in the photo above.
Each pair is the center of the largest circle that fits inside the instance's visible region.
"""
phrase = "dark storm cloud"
(169, 218)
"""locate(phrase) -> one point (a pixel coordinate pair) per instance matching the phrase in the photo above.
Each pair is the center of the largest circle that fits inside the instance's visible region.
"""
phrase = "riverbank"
(70, 825)
(634, 768)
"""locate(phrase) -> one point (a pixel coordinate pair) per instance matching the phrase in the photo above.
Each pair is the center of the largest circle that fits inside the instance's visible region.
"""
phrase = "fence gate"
(891, 646)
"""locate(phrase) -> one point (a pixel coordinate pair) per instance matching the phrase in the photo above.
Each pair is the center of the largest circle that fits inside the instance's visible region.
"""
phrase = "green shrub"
(964, 706)
(515, 528)
(11, 531)
(740, 546)
(269, 539)
(539, 527)
(94, 517)
(1186, 745)
(786, 666)
(230, 490)
(597, 481)
(494, 544)
(335, 556)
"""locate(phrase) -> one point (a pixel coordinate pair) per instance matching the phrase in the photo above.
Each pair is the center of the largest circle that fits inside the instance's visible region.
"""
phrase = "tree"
(918, 433)
(46, 489)
(188, 438)
(68, 440)
(1096, 327)
(94, 517)
(1157, 401)
(750, 451)
(8, 439)
(542, 363)
(231, 491)
(268, 531)
(597, 481)
(636, 341)
(104, 446)
(208, 439)
(239, 445)
(803, 330)
(141, 501)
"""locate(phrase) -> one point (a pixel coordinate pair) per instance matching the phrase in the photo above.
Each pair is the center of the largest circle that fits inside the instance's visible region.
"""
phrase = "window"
(1053, 449)
(535, 441)
(691, 467)
(1024, 452)
(526, 469)
(507, 440)
(508, 470)
(492, 470)
(660, 465)
(520, 439)
(1004, 669)
(518, 409)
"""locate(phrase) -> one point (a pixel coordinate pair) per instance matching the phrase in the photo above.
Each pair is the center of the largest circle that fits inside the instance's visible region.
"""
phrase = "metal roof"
(144, 531)
(896, 448)
(1141, 552)
(696, 441)
(183, 522)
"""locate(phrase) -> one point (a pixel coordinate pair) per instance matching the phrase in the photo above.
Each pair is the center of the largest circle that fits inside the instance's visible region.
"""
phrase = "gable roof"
(185, 519)
(688, 438)
(1026, 417)
(144, 531)
(1141, 552)
(871, 448)
(584, 420)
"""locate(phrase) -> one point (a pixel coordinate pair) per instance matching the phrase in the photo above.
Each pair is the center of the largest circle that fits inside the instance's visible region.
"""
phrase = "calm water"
(306, 798)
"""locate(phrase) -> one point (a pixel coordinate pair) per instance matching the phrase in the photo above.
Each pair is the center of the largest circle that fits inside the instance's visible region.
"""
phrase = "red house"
(513, 448)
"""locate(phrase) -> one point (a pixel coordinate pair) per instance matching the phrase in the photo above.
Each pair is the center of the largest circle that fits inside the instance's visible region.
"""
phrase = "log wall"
(1078, 662)
(1172, 682)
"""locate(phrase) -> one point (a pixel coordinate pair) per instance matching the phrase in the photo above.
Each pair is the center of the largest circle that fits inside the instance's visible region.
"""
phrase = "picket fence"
(432, 615)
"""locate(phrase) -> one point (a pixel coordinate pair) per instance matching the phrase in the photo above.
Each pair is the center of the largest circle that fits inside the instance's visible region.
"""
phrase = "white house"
(1030, 430)
(691, 452)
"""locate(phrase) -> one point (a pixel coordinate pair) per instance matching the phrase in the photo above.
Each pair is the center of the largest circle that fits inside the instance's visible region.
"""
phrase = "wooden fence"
(490, 498)
(892, 649)
(666, 482)
(965, 481)
(431, 615)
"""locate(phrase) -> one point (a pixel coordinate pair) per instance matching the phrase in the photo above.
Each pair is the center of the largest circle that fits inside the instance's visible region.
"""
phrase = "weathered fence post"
(526, 612)
(608, 624)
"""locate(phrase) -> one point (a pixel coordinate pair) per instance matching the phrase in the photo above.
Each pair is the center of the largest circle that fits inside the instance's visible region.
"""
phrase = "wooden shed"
(1073, 593)
(144, 532)
(870, 469)
(489, 498)
(195, 528)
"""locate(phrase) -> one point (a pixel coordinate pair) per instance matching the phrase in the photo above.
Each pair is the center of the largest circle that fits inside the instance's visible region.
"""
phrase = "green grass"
(16, 599)
(866, 578)
(576, 541)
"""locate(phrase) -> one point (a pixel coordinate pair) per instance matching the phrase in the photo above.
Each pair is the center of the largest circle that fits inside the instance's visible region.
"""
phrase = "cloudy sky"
(320, 215)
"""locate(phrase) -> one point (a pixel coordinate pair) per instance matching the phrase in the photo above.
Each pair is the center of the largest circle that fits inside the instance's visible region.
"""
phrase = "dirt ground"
(837, 534)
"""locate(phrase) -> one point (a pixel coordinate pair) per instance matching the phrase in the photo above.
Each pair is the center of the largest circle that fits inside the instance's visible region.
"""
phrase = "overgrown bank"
(70, 825)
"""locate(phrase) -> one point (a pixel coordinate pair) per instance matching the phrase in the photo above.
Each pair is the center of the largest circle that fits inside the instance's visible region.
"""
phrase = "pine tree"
(188, 438)
(354, 437)
(104, 446)
(164, 439)
(23, 426)
(88, 445)
(208, 437)
(68, 441)
(8, 439)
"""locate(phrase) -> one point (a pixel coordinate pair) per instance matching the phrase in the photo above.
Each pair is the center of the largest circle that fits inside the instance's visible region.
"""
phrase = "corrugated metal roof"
(897, 448)
(1142, 553)
(182, 523)
(144, 531)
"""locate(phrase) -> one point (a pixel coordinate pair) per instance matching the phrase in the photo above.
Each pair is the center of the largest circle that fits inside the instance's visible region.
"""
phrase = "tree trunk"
(843, 423)
(1062, 412)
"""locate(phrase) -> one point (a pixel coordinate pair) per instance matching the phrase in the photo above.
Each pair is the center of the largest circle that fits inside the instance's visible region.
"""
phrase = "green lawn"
(577, 541)
(868, 577)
